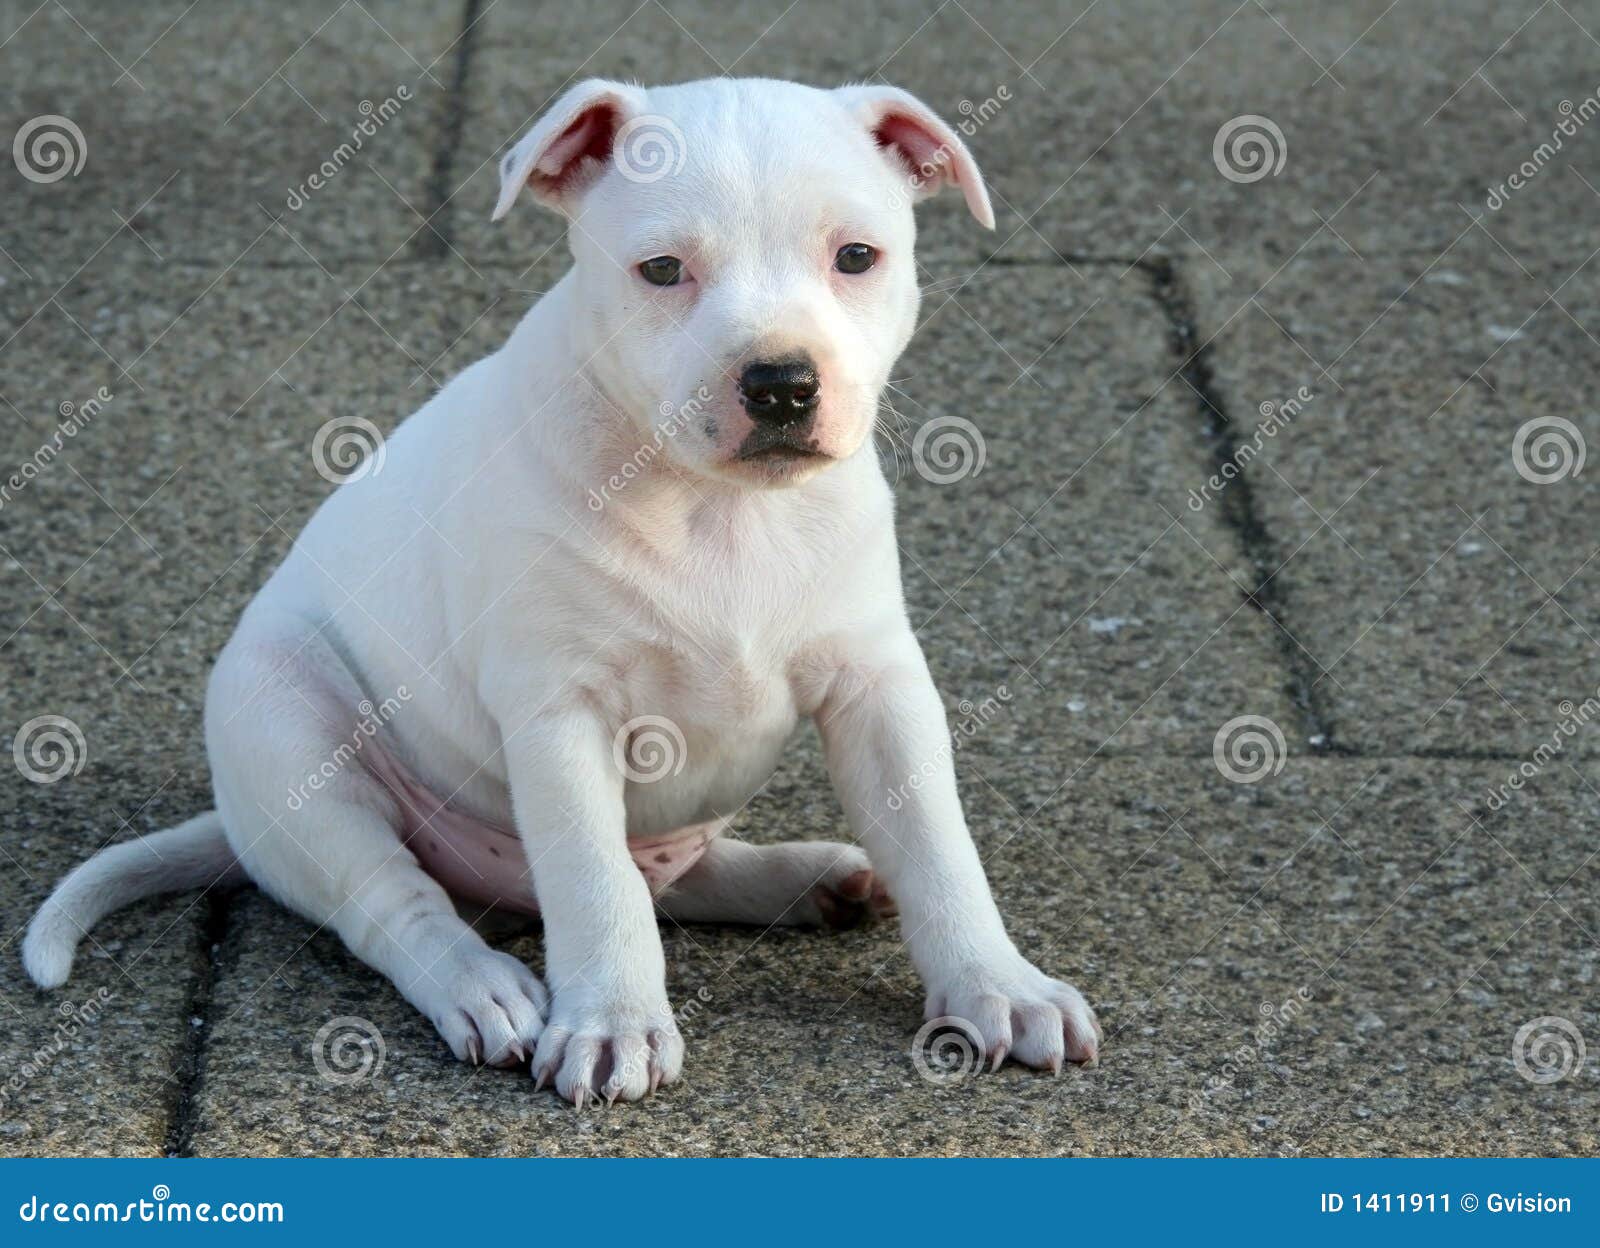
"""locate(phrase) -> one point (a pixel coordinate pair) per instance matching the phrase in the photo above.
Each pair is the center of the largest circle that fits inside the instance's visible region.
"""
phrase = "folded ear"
(913, 137)
(567, 148)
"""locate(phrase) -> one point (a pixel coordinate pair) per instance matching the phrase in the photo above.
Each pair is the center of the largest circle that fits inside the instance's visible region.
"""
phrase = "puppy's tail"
(192, 855)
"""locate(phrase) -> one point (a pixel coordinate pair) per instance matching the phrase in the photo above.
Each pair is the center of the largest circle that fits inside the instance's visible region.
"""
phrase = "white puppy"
(598, 581)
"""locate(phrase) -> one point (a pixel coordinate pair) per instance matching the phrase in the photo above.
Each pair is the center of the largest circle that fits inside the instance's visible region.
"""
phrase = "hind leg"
(487, 1005)
(815, 883)
(336, 857)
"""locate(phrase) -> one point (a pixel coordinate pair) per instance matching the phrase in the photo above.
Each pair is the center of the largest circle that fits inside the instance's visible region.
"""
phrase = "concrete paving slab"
(1041, 549)
(97, 1067)
(1376, 121)
(1433, 909)
(1449, 602)
(132, 549)
(199, 124)
(239, 383)
(1189, 906)
(1120, 642)
(1096, 124)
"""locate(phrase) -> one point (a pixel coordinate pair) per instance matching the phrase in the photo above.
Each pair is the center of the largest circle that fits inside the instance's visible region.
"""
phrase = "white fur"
(529, 607)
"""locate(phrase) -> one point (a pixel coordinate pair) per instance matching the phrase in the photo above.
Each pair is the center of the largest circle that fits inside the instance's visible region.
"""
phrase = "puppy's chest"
(716, 690)
(702, 731)
(718, 670)
(719, 642)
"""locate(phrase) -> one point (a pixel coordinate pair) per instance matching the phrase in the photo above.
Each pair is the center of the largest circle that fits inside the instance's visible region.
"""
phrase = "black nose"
(779, 392)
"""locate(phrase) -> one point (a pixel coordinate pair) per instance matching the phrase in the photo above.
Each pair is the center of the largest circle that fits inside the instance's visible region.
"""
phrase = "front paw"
(1017, 1010)
(595, 1049)
(487, 1005)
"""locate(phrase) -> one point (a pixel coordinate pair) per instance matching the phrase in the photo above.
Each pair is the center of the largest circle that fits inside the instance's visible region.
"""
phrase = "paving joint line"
(434, 243)
(184, 1113)
(1240, 512)
(1058, 257)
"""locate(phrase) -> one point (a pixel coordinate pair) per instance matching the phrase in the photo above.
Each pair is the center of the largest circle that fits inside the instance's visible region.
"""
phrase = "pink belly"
(484, 863)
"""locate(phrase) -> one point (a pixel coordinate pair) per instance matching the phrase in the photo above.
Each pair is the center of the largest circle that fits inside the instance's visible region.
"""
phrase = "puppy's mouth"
(777, 447)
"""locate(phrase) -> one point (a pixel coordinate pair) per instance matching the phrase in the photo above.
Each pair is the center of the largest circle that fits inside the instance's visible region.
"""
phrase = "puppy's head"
(744, 273)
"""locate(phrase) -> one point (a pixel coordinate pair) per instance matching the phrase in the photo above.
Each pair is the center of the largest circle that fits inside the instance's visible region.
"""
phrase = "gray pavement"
(1381, 585)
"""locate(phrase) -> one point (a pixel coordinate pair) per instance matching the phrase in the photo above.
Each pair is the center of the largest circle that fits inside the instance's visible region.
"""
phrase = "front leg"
(889, 752)
(611, 1033)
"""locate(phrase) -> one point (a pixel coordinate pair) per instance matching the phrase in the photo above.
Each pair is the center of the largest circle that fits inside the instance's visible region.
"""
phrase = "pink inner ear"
(924, 154)
(589, 136)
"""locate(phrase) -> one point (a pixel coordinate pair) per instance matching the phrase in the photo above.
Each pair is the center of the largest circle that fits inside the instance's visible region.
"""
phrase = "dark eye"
(662, 270)
(855, 258)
